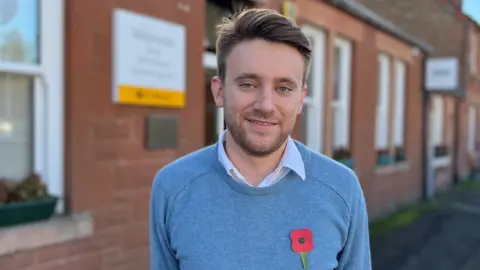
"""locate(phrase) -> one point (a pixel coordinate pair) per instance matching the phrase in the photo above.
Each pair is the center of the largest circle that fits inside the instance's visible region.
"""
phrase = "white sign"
(442, 74)
(148, 60)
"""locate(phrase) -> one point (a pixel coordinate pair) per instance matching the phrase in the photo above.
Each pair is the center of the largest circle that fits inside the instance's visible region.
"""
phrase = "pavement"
(447, 238)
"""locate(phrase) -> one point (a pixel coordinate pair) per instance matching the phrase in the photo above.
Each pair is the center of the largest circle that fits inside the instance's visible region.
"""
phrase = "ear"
(302, 99)
(217, 91)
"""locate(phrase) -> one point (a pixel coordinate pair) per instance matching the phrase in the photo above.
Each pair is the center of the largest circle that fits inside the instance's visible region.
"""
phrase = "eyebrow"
(286, 80)
(253, 76)
(244, 76)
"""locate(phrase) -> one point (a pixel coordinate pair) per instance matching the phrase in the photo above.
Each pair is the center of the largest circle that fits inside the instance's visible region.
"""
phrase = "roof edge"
(362, 12)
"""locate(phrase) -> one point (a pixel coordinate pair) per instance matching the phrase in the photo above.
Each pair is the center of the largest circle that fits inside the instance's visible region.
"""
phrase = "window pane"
(16, 124)
(437, 123)
(381, 139)
(339, 140)
(310, 76)
(19, 26)
(337, 67)
(399, 124)
(471, 128)
(304, 125)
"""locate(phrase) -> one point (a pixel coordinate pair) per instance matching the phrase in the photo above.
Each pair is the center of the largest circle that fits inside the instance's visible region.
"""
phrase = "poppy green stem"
(303, 255)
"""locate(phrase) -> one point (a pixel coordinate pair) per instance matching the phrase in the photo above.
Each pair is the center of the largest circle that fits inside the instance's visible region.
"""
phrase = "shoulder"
(336, 176)
(175, 176)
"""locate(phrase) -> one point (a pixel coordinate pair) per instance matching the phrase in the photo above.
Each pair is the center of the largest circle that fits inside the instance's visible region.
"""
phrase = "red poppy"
(302, 240)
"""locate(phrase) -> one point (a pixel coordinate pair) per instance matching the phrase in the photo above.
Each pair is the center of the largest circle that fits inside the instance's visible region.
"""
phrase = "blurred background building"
(96, 96)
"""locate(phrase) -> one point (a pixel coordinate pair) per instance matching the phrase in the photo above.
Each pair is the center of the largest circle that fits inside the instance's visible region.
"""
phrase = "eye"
(284, 89)
(247, 85)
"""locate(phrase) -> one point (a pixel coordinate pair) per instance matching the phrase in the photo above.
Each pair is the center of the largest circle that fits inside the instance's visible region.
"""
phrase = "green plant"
(25, 201)
(341, 154)
(403, 217)
(3, 191)
(30, 188)
(383, 157)
(400, 154)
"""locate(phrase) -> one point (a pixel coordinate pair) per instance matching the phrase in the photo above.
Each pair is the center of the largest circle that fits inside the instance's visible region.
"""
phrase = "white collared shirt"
(291, 160)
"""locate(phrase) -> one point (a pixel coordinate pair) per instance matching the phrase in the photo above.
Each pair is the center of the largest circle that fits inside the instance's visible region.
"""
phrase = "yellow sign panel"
(149, 61)
(148, 96)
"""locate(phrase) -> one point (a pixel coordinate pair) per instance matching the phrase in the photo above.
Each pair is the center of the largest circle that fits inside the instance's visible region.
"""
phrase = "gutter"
(360, 11)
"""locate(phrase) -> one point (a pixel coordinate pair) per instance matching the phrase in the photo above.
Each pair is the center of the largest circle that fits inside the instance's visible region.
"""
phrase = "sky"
(472, 8)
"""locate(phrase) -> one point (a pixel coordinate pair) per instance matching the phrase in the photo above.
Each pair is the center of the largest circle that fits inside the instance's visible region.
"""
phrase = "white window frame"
(48, 97)
(341, 132)
(210, 62)
(472, 128)
(381, 138)
(313, 102)
(400, 95)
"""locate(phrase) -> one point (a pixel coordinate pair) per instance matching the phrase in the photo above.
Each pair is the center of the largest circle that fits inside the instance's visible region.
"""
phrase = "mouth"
(264, 123)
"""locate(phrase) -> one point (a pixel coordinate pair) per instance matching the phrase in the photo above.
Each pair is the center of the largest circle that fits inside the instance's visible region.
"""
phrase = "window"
(312, 114)
(31, 92)
(215, 11)
(16, 124)
(340, 102)
(472, 128)
(474, 53)
(399, 114)
(390, 121)
(383, 102)
(213, 16)
(437, 132)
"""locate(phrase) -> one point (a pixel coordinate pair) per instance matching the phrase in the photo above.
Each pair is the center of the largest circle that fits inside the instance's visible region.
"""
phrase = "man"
(258, 199)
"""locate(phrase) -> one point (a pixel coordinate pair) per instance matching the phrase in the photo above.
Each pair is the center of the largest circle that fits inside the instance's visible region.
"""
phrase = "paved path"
(448, 239)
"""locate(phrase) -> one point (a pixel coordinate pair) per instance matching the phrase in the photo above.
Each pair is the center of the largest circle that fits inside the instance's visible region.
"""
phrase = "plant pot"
(29, 211)
(383, 160)
(400, 158)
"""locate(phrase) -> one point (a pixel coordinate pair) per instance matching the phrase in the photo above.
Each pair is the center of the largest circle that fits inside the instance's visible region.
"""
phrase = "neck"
(253, 168)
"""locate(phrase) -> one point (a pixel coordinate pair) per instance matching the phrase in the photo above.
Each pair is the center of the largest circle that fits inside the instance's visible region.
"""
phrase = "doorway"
(214, 117)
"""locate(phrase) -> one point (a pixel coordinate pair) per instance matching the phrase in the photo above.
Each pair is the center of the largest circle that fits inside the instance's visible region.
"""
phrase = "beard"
(240, 135)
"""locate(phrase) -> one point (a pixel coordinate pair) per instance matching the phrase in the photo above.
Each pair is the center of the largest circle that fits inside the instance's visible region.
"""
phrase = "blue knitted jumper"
(202, 219)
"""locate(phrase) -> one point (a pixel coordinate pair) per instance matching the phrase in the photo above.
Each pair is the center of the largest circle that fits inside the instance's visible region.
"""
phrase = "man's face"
(262, 94)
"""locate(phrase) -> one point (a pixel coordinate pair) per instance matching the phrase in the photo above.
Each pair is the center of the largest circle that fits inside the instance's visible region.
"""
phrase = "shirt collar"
(291, 159)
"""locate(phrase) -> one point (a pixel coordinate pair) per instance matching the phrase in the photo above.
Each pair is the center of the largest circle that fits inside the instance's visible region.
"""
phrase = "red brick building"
(95, 136)
(453, 110)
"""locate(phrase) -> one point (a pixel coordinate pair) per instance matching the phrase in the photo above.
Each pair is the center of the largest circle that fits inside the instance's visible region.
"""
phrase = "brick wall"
(467, 160)
(109, 173)
(393, 187)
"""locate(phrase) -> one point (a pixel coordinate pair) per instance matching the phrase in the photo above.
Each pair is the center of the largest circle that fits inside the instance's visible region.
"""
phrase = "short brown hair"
(259, 23)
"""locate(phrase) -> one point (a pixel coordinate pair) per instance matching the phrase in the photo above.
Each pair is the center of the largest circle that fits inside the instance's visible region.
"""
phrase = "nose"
(264, 100)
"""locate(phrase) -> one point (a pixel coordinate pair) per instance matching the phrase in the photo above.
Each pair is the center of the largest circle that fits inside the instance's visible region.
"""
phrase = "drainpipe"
(426, 174)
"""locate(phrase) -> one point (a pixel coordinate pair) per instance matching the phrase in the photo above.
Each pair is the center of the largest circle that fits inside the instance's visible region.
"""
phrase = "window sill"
(392, 168)
(441, 162)
(53, 231)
